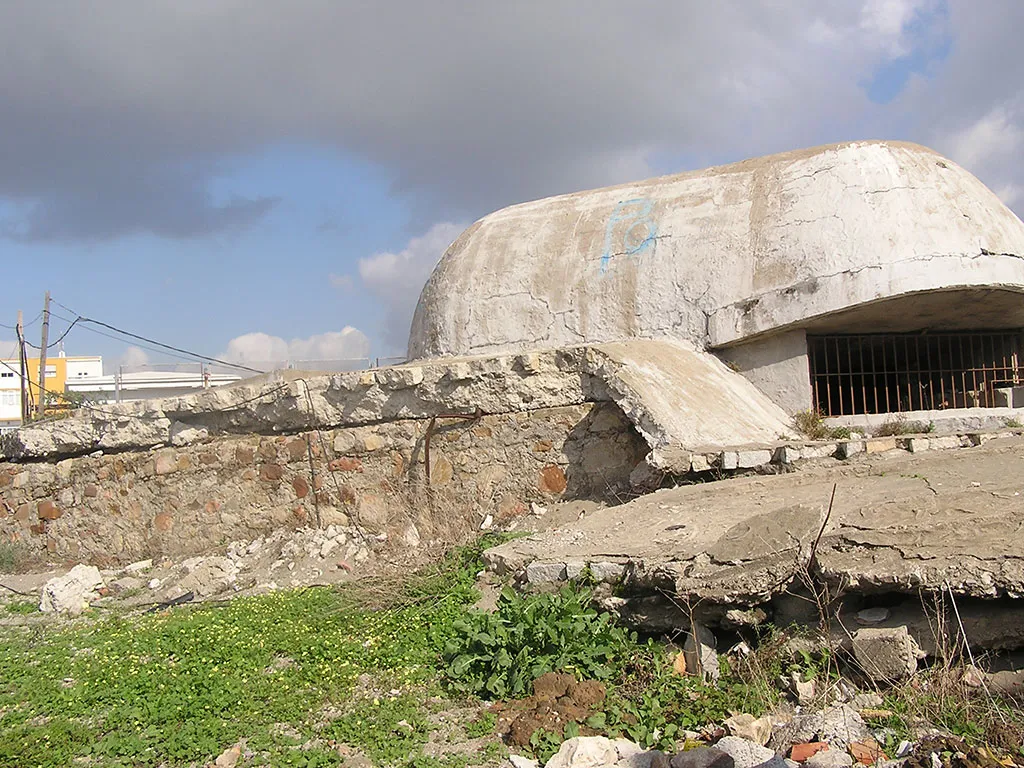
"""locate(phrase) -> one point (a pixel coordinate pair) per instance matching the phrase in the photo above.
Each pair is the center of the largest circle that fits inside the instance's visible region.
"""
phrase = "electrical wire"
(83, 319)
(60, 338)
(23, 325)
(118, 338)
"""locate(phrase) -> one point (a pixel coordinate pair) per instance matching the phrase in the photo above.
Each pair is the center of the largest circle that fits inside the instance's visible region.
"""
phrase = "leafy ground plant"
(498, 655)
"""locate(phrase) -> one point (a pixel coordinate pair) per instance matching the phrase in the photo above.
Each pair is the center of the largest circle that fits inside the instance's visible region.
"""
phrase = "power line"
(123, 332)
(118, 338)
(24, 325)
(61, 337)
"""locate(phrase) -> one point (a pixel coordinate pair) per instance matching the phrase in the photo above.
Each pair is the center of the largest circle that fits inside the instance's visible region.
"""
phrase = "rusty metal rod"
(475, 416)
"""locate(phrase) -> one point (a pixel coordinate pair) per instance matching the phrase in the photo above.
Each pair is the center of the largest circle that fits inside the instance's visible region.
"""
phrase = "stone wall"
(172, 501)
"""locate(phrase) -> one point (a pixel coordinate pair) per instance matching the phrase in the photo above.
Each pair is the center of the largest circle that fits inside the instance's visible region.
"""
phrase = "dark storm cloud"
(116, 116)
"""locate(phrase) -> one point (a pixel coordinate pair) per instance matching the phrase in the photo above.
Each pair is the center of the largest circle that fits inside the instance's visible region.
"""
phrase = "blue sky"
(296, 172)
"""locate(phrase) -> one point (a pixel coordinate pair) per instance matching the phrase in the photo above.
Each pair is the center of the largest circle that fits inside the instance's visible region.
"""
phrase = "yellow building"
(59, 371)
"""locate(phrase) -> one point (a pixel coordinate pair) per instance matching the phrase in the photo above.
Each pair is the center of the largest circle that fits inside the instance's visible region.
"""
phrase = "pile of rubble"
(738, 752)
(283, 559)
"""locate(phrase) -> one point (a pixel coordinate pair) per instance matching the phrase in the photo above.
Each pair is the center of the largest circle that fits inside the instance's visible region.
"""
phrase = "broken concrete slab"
(73, 592)
(897, 526)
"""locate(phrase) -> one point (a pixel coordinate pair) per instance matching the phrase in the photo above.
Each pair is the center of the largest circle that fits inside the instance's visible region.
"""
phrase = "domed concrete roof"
(721, 255)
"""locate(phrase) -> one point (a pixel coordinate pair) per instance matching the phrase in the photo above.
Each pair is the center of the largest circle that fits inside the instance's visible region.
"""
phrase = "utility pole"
(42, 357)
(21, 364)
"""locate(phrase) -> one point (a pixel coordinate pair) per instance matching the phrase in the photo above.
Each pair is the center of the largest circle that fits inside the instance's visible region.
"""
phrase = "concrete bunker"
(857, 279)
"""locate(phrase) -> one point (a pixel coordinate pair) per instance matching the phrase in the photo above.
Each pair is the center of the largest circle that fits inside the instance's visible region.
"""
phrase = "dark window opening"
(891, 373)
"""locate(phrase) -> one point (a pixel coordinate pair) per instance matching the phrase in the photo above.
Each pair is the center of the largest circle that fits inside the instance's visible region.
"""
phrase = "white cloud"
(263, 351)
(397, 278)
(990, 147)
(134, 357)
(991, 137)
(887, 22)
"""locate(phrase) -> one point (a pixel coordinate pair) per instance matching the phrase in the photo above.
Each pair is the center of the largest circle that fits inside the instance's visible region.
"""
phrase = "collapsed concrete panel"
(761, 549)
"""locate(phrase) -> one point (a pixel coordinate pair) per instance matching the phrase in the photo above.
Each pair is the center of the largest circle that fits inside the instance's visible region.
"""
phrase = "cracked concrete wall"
(718, 256)
(777, 365)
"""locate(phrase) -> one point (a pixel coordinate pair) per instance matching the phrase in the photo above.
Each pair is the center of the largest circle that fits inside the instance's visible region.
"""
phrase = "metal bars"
(886, 373)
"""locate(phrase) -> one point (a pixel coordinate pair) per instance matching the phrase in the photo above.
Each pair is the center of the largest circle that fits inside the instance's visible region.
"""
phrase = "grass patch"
(811, 424)
(179, 687)
(22, 607)
(899, 425)
(16, 557)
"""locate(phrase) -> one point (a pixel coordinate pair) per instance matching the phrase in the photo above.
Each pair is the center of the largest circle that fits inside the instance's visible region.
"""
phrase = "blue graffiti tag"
(637, 236)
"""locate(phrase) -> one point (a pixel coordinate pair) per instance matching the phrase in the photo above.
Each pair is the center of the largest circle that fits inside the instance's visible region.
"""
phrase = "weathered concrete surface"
(777, 365)
(679, 396)
(292, 401)
(675, 395)
(724, 254)
(901, 523)
(948, 421)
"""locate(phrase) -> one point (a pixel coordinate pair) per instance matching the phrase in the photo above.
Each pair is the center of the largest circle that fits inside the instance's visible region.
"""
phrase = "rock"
(679, 663)
(867, 701)
(545, 573)
(841, 725)
(829, 758)
(872, 615)
(410, 536)
(702, 757)
(208, 576)
(632, 755)
(182, 434)
(139, 567)
(699, 648)
(745, 726)
(518, 761)
(584, 752)
(805, 751)
(837, 726)
(745, 754)
(229, 757)
(154, 583)
(126, 584)
(607, 572)
(72, 592)
(803, 690)
(886, 655)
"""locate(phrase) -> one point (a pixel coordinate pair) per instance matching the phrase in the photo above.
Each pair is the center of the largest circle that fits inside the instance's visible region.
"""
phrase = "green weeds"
(498, 655)
(812, 425)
